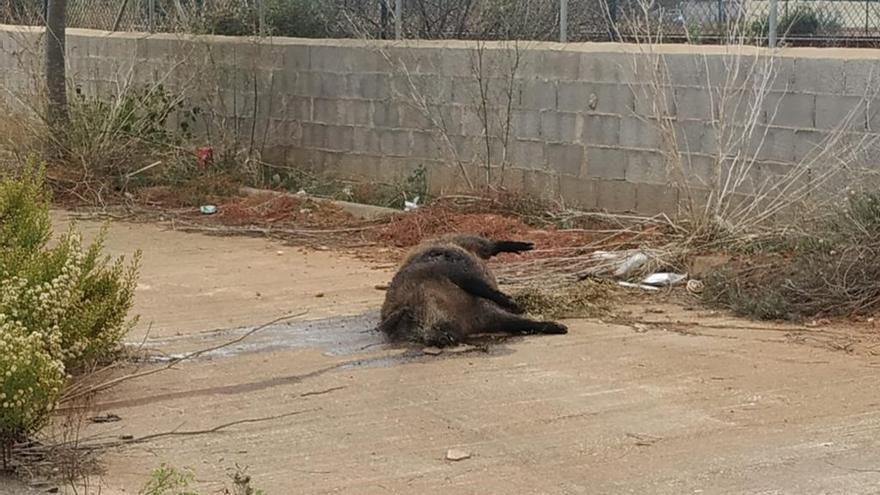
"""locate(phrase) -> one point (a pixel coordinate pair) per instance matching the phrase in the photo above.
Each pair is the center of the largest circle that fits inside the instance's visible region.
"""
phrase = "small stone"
(456, 455)
(432, 351)
(322, 248)
(381, 287)
(319, 294)
(279, 253)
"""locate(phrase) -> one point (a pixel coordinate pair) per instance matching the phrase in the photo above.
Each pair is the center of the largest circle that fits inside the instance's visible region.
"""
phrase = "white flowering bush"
(62, 309)
(30, 380)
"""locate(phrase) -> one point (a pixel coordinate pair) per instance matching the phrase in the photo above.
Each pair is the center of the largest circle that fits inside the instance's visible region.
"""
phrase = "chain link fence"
(816, 22)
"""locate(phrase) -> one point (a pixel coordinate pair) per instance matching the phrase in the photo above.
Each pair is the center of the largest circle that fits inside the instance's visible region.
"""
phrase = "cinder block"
(282, 132)
(394, 142)
(307, 84)
(566, 159)
(579, 192)
(445, 179)
(638, 133)
(527, 154)
(653, 199)
(698, 170)
(808, 144)
(325, 111)
(601, 130)
(413, 118)
(526, 124)
(345, 59)
(274, 154)
(340, 138)
(616, 196)
(541, 184)
(606, 163)
(564, 127)
(693, 136)
(873, 116)
(693, 103)
(394, 168)
(603, 67)
(840, 112)
(467, 148)
(455, 61)
(297, 108)
(447, 118)
(819, 75)
(296, 58)
(426, 145)
(314, 135)
(773, 144)
(386, 114)
(686, 69)
(560, 65)
(472, 123)
(465, 91)
(357, 166)
(576, 97)
(596, 97)
(780, 76)
(335, 86)
(790, 110)
(652, 102)
(368, 86)
(645, 167)
(861, 76)
(537, 95)
(366, 140)
(435, 89)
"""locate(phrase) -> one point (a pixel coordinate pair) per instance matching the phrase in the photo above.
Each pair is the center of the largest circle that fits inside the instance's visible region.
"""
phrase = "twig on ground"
(175, 361)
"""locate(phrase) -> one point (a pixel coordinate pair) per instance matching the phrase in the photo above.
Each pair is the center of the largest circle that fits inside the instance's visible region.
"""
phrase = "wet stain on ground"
(340, 335)
(336, 336)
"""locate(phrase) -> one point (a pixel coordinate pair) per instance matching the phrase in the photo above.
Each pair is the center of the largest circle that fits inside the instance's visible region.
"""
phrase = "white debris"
(457, 455)
(664, 279)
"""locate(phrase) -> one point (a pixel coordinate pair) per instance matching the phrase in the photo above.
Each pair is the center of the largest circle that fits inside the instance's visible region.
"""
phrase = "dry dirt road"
(719, 406)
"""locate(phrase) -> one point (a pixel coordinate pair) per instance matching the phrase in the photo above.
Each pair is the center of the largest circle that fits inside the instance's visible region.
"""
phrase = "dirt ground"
(684, 402)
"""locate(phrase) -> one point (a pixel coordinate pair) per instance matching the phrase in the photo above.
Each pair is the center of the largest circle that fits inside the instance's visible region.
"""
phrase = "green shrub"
(113, 135)
(61, 308)
(30, 381)
(166, 480)
(24, 213)
(300, 18)
(72, 291)
(802, 20)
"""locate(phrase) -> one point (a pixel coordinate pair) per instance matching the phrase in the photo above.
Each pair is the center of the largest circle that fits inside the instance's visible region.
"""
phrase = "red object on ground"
(205, 157)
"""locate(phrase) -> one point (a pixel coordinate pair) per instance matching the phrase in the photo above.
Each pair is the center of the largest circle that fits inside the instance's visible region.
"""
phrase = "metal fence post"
(151, 15)
(772, 23)
(398, 19)
(563, 21)
(261, 17)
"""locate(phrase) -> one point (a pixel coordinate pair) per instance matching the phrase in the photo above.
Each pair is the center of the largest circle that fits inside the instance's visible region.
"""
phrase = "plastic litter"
(631, 264)
(208, 209)
(411, 205)
(664, 279)
(631, 285)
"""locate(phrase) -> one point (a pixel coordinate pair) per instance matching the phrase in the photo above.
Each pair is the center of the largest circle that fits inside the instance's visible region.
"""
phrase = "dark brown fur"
(445, 292)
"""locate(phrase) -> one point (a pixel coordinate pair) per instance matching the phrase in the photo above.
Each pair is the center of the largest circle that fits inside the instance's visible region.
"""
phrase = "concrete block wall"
(577, 121)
